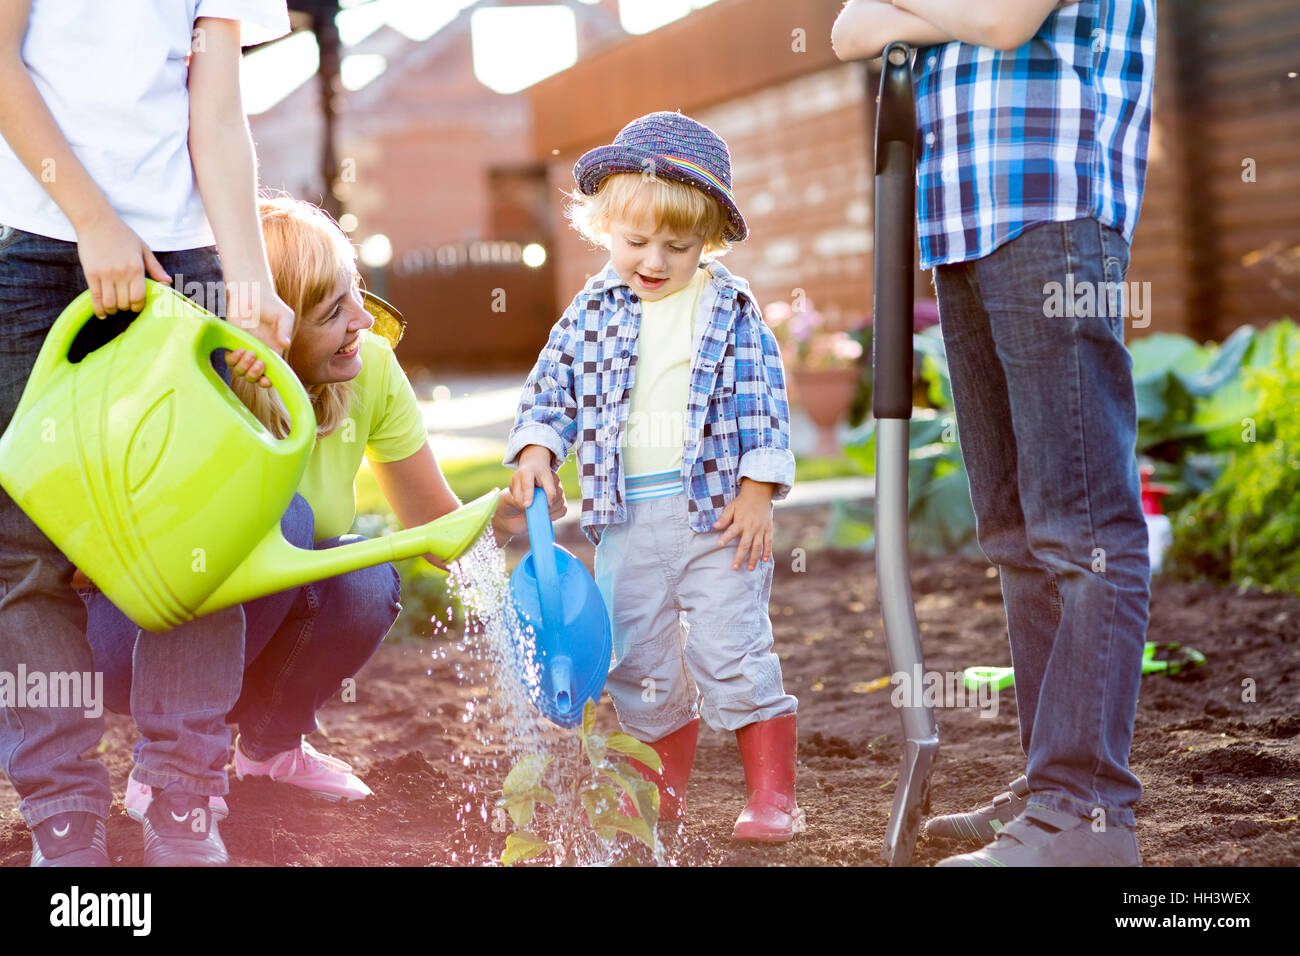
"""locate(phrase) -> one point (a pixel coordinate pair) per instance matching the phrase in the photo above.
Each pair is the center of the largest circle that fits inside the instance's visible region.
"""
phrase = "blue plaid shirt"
(737, 415)
(1052, 131)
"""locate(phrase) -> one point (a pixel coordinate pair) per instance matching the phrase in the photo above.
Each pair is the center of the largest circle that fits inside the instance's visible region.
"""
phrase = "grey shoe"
(980, 827)
(70, 839)
(1043, 837)
(181, 830)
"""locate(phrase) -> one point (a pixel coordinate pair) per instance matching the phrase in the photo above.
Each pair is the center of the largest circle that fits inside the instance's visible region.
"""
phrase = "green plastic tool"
(156, 481)
(1175, 659)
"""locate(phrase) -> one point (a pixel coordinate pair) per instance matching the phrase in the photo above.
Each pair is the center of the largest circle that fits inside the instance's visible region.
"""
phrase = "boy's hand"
(244, 363)
(509, 519)
(748, 516)
(534, 469)
(256, 307)
(116, 261)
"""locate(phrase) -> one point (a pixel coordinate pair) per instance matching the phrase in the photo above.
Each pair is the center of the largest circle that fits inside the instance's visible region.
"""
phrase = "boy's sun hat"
(673, 146)
(388, 321)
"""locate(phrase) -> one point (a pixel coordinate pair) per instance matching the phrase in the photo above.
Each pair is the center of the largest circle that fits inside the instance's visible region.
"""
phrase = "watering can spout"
(276, 565)
(561, 670)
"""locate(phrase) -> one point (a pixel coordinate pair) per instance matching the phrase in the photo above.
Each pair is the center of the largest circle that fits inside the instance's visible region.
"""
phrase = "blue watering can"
(557, 597)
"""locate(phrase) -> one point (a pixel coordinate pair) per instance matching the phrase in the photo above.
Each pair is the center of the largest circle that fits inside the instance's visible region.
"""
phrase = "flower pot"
(825, 394)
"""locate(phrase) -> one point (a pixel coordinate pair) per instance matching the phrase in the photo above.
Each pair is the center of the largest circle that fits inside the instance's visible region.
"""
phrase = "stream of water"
(499, 649)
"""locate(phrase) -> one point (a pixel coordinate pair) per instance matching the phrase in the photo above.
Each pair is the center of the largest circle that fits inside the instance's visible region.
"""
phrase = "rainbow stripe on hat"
(701, 172)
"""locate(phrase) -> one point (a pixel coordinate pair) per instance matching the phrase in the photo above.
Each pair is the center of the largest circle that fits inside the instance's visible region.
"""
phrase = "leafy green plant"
(1192, 403)
(592, 783)
(1246, 528)
(1192, 400)
(941, 519)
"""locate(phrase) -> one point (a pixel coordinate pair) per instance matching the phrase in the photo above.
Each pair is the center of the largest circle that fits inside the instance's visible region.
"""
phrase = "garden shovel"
(558, 601)
(895, 214)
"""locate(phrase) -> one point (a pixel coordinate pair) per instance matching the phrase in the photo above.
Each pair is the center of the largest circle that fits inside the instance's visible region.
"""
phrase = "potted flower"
(824, 366)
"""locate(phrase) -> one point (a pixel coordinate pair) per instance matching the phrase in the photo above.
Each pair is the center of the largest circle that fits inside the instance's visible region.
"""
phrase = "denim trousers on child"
(300, 645)
(654, 571)
(1047, 422)
(192, 673)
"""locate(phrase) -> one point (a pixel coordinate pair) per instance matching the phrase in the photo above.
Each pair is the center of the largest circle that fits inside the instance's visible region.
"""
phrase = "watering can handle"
(301, 415)
(541, 539)
(58, 342)
(81, 310)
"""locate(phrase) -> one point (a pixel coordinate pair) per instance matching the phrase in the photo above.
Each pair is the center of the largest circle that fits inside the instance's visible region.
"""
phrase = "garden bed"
(1222, 774)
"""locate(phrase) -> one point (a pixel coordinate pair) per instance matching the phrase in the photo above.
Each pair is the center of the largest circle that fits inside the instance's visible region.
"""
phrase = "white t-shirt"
(113, 74)
(656, 419)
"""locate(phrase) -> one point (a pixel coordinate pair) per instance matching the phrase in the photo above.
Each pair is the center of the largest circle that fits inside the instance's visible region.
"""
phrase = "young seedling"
(595, 779)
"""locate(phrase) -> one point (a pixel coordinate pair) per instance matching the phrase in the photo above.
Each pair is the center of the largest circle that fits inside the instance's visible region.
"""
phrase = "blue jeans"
(300, 645)
(188, 678)
(1047, 421)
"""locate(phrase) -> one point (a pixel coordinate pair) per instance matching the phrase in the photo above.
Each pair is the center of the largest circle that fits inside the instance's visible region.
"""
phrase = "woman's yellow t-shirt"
(383, 424)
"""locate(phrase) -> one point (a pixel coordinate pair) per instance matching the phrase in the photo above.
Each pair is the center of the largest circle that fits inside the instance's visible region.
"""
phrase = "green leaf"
(644, 793)
(604, 812)
(523, 788)
(522, 845)
(596, 744)
(627, 744)
(526, 774)
(860, 447)
(522, 804)
(588, 717)
(934, 366)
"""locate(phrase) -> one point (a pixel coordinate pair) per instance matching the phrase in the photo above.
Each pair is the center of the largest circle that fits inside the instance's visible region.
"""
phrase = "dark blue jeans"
(300, 644)
(1047, 421)
(189, 677)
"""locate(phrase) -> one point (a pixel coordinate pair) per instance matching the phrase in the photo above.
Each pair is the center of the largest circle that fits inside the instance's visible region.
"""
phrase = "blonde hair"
(671, 204)
(308, 253)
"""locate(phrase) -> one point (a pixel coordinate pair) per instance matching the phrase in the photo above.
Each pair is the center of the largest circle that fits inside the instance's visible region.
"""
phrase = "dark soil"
(1221, 773)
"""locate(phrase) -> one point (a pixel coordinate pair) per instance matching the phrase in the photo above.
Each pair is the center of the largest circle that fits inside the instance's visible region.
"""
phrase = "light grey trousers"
(692, 636)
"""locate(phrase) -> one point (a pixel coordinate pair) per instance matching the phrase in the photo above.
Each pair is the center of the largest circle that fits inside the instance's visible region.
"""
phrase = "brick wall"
(802, 178)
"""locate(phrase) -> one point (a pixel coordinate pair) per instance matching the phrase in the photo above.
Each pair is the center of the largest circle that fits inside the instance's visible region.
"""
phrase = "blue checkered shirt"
(1052, 131)
(737, 414)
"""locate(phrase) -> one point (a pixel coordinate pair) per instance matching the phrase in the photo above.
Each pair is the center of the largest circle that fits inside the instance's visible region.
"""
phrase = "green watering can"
(156, 481)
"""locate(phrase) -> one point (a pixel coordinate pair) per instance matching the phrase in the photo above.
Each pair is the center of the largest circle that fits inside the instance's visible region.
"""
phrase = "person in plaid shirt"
(1033, 119)
(663, 376)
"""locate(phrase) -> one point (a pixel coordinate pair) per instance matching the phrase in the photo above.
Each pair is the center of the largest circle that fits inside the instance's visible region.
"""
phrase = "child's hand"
(116, 261)
(250, 306)
(509, 519)
(245, 364)
(534, 469)
(748, 517)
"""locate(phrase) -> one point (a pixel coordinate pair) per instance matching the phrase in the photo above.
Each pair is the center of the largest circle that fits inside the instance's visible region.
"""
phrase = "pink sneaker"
(138, 798)
(305, 767)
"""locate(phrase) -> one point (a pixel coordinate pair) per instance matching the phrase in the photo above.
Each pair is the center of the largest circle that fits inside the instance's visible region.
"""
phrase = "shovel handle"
(541, 539)
(891, 343)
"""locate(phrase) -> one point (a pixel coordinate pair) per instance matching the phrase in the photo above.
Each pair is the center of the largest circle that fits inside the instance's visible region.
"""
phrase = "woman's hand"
(748, 516)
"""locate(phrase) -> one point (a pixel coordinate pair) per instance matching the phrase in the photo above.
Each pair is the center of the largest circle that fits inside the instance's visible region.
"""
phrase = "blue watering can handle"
(541, 538)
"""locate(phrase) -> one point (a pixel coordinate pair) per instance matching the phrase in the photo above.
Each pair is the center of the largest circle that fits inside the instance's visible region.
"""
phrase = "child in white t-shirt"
(124, 150)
